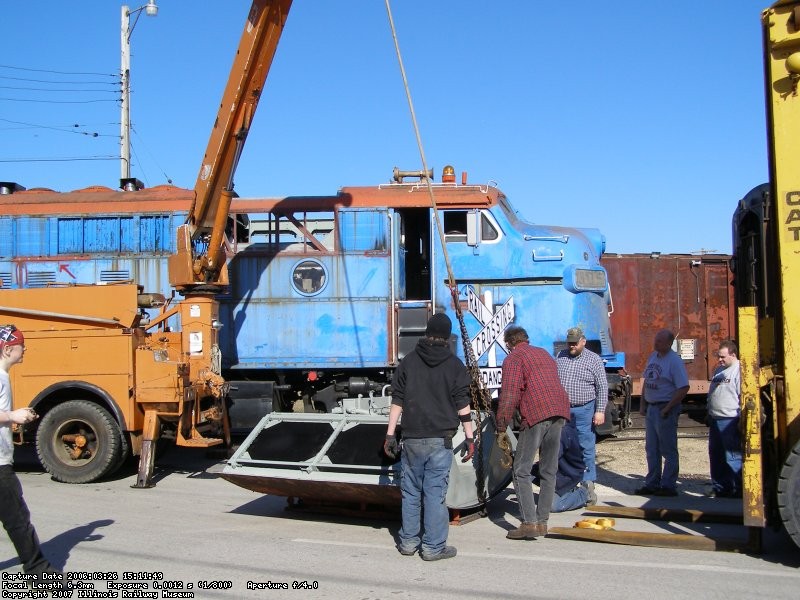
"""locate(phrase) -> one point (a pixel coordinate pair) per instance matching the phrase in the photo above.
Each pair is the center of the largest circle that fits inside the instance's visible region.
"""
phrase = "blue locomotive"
(327, 293)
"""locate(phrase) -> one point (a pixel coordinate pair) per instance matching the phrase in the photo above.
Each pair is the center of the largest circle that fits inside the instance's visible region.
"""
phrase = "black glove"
(390, 446)
(467, 450)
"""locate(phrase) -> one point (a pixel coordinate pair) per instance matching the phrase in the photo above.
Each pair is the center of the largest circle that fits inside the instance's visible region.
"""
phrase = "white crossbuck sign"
(494, 325)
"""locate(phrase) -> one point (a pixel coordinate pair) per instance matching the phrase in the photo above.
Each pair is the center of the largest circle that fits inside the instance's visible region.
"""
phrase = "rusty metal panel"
(692, 295)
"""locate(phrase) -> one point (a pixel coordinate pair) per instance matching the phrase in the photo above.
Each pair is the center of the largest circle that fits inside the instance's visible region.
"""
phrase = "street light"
(151, 10)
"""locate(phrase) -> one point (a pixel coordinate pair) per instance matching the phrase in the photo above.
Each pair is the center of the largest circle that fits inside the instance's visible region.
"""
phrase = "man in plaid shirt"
(583, 375)
(531, 385)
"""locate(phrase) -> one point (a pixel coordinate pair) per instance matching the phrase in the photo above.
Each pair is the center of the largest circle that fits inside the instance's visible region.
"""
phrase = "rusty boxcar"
(691, 294)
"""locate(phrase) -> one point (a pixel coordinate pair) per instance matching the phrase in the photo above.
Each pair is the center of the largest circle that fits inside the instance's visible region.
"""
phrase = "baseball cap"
(574, 334)
(11, 336)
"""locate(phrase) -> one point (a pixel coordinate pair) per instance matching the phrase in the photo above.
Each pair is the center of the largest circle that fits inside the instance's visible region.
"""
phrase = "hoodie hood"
(433, 353)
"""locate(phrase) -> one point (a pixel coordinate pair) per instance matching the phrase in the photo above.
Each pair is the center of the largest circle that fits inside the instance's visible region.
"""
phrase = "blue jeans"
(424, 478)
(577, 497)
(582, 417)
(725, 455)
(546, 438)
(661, 441)
(17, 522)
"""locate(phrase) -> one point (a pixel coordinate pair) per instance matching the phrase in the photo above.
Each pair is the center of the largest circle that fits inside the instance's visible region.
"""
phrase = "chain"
(505, 446)
(479, 394)
(480, 398)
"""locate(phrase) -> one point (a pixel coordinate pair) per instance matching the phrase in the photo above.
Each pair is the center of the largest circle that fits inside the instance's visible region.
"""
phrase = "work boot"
(448, 552)
(540, 528)
(405, 550)
(592, 496)
(526, 531)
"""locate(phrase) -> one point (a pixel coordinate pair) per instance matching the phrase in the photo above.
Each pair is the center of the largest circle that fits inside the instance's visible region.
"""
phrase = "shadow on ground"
(57, 549)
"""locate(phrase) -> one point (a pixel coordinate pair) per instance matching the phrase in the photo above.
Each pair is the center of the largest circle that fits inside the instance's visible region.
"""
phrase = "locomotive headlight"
(582, 279)
(590, 280)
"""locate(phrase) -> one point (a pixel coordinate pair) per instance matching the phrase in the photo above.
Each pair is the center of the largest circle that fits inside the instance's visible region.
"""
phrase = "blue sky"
(643, 119)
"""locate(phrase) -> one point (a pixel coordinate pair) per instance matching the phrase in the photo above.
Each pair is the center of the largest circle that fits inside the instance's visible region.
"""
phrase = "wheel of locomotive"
(789, 494)
(79, 442)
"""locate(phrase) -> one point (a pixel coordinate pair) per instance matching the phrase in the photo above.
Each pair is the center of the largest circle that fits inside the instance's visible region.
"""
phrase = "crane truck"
(105, 377)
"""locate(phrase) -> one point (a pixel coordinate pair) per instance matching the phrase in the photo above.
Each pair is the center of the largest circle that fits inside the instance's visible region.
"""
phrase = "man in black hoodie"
(431, 390)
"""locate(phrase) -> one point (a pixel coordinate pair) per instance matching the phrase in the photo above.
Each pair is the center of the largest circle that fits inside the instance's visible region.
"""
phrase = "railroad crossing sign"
(492, 377)
(494, 325)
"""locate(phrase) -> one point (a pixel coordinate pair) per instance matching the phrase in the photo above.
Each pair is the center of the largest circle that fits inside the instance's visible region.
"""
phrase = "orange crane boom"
(214, 187)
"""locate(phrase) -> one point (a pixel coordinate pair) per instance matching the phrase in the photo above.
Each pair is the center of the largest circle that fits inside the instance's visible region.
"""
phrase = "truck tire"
(789, 494)
(124, 451)
(79, 442)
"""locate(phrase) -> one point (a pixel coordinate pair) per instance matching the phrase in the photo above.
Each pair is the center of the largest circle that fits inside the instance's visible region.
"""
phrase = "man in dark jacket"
(571, 491)
(431, 390)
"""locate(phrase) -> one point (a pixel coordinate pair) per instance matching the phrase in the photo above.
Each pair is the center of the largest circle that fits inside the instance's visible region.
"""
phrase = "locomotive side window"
(456, 229)
(309, 277)
(488, 231)
(455, 225)
(363, 230)
(287, 232)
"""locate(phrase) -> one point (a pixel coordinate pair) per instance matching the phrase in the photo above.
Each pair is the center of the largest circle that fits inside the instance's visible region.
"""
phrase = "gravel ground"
(621, 464)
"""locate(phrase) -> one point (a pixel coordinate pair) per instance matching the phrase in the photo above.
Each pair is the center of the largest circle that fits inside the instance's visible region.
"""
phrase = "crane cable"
(479, 393)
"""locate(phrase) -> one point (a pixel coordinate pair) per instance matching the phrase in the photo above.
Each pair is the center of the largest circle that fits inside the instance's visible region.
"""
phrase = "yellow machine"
(106, 380)
(767, 249)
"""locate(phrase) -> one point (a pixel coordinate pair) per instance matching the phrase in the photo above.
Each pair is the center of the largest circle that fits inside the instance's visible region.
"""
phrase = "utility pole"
(151, 10)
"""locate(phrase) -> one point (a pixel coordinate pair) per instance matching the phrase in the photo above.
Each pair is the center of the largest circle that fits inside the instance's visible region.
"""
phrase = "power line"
(50, 84)
(62, 129)
(57, 101)
(57, 159)
(58, 72)
(31, 89)
(65, 82)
